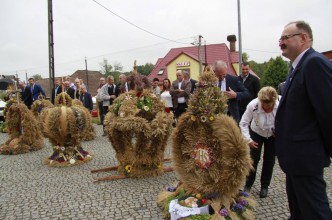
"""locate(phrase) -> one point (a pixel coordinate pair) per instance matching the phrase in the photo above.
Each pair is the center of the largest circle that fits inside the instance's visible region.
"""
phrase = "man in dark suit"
(26, 94)
(180, 91)
(303, 124)
(56, 90)
(69, 90)
(232, 88)
(251, 82)
(36, 89)
(86, 98)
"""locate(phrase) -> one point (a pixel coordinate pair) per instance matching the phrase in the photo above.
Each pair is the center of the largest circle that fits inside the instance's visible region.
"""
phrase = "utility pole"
(200, 53)
(86, 74)
(50, 45)
(205, 63)
(240, 36)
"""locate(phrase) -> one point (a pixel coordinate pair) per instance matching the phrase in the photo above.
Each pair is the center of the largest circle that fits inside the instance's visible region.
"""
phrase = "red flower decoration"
(168, 110)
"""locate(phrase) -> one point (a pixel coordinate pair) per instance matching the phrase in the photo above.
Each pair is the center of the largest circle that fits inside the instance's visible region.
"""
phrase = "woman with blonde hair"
(257, 126)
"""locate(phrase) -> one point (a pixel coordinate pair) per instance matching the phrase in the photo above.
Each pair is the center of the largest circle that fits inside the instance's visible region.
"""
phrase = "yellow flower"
(211, 118)
(198, 196)
(193, 118)
(146, 108)
(128, 168)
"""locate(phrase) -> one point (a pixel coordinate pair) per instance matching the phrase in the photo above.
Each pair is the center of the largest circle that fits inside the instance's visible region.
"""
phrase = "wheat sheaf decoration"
(210, 157)
(23, 130)
(65, 126)
(138, 127)
(90, 132)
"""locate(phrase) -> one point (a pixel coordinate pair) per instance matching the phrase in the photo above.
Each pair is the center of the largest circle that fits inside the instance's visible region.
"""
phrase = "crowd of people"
(295, 127)
(33, 91)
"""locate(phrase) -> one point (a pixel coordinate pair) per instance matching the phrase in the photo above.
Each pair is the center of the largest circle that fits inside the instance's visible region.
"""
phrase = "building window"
(161, 72)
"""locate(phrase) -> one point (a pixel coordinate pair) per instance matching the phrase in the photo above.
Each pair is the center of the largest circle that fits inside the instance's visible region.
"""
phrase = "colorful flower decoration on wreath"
(207, 99)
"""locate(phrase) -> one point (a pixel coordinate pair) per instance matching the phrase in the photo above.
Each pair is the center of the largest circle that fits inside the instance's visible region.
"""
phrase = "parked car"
(94, 111)
(2, 107)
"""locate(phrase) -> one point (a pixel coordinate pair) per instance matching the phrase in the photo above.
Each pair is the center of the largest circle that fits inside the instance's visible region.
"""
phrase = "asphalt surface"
(31, 190)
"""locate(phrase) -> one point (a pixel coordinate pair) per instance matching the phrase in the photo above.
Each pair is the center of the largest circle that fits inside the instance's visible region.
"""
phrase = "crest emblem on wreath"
(202, 155)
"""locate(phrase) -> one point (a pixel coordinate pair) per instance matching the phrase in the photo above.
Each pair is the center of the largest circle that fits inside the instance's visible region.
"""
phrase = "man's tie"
(219, 85)
(110, 90)
(290, 76)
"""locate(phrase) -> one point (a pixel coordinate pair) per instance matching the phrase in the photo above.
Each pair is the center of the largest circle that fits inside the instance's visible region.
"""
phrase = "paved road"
(31, 190)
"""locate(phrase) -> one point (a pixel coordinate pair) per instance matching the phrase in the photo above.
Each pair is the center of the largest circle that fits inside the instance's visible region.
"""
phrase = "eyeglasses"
(286, 37)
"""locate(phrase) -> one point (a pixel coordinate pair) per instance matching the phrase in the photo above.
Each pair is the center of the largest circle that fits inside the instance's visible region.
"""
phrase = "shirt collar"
(298, 58)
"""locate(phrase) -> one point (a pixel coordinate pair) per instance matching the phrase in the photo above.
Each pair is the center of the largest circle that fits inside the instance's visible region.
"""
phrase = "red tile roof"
(214, 52)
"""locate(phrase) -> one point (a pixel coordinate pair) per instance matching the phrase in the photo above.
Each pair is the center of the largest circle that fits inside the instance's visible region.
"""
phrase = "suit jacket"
(193, 85)
(71, 92)
(36, 91)
(59, 90)
(185, 86)
(242, 93)
(303, 120)
(253, 87)
(104, 95)
(122, 88)
(86, 99)
(27, 96)
(77, 93)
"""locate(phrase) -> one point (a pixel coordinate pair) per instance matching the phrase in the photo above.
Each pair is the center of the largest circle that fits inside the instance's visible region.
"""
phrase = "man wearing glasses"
(303, 124)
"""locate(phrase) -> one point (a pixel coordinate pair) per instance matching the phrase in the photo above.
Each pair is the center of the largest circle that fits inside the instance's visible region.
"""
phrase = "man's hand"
(253, 144)
(230, 94)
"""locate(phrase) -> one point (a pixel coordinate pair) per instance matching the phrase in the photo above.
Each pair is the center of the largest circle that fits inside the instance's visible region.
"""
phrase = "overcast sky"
(97, 30)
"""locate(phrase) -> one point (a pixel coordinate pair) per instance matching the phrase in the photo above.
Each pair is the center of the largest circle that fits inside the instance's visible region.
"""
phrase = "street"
(31, 190)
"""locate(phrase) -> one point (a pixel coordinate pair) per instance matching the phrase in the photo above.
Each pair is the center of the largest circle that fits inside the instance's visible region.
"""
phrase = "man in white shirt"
(180, 91)
(107, 94)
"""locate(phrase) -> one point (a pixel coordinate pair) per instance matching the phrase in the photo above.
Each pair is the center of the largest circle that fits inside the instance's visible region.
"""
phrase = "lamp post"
(240, 35)
(86, 74)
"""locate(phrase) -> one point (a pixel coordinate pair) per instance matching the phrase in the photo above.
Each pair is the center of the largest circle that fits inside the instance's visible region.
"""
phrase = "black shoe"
(247, 189)
(263, 193)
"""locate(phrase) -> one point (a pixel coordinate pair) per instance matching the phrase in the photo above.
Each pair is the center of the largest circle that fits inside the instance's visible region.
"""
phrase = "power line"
(263, 51)
(94, 57)
(131, 23)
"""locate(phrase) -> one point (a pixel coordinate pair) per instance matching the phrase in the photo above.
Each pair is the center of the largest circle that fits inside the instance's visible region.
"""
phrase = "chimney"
(231, 39)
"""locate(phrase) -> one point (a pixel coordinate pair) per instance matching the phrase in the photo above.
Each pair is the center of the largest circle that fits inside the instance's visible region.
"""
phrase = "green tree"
(258, 68)
(275, 73)
(37, 77)
(245, 57)
(106, 68)
(145, 69)
(117, 66)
